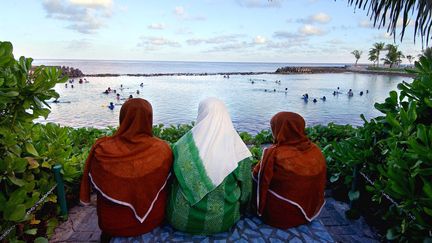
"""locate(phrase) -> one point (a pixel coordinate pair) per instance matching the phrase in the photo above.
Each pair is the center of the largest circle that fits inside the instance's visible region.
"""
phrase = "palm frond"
(388, 12)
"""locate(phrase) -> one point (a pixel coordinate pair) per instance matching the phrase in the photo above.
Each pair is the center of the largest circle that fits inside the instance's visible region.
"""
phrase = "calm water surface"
(175, 99)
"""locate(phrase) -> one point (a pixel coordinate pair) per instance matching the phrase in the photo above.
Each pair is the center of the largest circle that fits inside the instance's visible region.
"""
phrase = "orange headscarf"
(293, 167)
(131, 167)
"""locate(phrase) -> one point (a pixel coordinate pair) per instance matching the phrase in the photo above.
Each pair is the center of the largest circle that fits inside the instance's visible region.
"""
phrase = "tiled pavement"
(330, 226)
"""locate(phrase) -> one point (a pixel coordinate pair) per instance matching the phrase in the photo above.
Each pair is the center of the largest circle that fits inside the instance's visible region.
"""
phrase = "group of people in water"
(350, 93)
(205, 181)
(72, 81)
(118, 97)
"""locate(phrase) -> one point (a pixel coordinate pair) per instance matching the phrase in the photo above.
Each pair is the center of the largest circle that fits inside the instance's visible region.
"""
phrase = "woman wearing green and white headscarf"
(212, 168)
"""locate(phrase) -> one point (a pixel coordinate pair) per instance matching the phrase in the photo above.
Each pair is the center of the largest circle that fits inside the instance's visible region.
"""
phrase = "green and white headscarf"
(208, 153)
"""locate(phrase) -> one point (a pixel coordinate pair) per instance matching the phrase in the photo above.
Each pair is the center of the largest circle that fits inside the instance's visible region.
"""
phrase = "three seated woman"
(204, 184)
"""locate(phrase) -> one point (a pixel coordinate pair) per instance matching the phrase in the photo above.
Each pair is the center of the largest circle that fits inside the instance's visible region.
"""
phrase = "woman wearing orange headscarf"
(129, 171)
(291, 176)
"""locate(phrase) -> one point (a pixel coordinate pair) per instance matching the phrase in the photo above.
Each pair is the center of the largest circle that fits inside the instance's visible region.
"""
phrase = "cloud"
(84, 16)
(260, 40)
(238, 46)
(285, 34)
(310, 30)
(152, 43)
(260, 3)
(321, 18)
(221, 39)
(181, 14)
(157, 26)
(93, 3)
(179, 11)
(366, 24)
(336, 42)
(385, 35)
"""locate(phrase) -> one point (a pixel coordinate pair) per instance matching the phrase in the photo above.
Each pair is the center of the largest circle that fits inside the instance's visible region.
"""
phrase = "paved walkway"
(330, 226)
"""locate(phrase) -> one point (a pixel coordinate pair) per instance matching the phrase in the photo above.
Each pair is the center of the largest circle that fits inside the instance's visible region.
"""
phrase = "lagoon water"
(175, 99)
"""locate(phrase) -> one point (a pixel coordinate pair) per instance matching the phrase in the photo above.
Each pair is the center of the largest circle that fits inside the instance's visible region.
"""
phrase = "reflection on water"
(175, 99)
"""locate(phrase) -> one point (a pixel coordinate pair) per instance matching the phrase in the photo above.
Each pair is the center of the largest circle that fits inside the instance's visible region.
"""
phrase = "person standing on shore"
(130, 172)
(290, 178)
(212, 170)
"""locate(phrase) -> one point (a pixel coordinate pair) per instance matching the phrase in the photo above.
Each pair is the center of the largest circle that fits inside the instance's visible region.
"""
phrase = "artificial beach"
(253, 98)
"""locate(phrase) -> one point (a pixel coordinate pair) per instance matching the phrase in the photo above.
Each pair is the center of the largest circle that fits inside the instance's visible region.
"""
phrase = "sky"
(295, 31)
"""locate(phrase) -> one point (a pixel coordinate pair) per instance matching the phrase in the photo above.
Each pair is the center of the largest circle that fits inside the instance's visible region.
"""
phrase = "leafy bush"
(24, 171)
(395, 150)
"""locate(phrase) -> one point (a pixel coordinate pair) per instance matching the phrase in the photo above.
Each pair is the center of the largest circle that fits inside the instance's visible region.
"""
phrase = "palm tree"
(378, 47)
(357, 55)
(394, 56)
(410, 58)
(388, 12)
(373, 56)
(427, 52)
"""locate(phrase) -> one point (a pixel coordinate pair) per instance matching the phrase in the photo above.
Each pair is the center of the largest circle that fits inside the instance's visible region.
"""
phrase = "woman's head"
(136, 118)
(288, 128)
(210, 107)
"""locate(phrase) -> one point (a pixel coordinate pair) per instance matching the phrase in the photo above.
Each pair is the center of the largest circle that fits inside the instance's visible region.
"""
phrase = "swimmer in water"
(315, 101)
(111, 106)
(130, 96)
(137, 92)
(118, 96)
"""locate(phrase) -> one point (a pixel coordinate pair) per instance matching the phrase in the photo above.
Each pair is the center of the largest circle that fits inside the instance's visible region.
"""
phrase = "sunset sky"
(318, 31)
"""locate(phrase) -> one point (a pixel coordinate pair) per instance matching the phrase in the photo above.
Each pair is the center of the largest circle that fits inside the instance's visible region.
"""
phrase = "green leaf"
(31, 149)
(422, 134)
(353, 195)
(334, 178)
(41, 240)
(31, 231)
(412, 113)
(392, 121)
(428, 102)
(16, 181)
(392, 234)
(11, 94)
(428, 211)
(19, 165)
(427, 188)
(17, 214)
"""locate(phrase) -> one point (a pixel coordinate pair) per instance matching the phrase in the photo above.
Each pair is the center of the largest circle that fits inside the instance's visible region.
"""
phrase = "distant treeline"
(286, 70)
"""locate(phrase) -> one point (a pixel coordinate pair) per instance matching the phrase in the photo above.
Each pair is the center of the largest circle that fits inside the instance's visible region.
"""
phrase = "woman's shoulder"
(160, 143)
